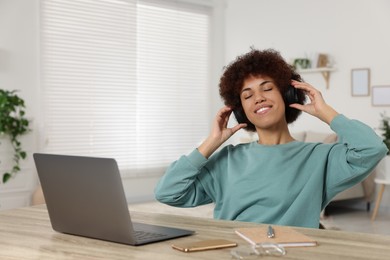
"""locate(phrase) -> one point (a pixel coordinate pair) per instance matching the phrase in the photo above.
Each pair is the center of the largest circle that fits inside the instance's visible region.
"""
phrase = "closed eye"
(248, 97)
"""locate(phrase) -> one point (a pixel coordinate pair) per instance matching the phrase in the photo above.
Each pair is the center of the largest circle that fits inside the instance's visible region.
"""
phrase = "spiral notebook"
(284, 236)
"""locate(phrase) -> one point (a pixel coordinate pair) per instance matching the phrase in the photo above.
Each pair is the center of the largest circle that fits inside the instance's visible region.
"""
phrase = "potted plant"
(385, 128)
(13, 124)
(383, 169)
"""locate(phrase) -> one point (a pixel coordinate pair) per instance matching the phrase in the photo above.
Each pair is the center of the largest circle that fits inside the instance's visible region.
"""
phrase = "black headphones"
(290, 97)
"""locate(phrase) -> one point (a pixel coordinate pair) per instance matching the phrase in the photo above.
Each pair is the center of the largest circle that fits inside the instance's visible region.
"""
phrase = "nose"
(259, 97)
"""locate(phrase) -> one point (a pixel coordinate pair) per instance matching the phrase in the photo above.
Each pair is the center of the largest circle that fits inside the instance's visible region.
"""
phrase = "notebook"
(284, 236)
(85, 197)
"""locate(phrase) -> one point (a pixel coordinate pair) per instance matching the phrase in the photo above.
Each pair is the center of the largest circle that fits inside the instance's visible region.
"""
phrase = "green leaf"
(13, 124)
(6, 177)
(23, 155)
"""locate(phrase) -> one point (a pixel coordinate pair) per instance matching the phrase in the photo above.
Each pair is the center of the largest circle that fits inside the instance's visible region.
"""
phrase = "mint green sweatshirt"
(286, 184)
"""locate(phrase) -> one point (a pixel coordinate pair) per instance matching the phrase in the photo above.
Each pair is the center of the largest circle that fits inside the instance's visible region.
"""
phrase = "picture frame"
(381, 95)
(360, 82)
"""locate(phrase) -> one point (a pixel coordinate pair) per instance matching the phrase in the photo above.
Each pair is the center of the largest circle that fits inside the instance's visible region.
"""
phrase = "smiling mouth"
(262, 110)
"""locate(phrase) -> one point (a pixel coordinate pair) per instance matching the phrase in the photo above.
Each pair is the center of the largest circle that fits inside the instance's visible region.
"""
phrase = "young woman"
(275, 180)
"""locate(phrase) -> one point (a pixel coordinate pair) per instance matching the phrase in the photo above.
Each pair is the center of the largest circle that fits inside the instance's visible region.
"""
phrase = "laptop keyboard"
(144, 235)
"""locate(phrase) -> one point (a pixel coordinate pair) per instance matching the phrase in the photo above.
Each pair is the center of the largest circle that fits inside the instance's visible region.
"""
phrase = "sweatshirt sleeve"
(353, 158)
(181, 185)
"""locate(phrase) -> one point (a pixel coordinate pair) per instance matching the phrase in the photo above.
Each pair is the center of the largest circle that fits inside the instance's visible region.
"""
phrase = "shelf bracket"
(326, 75)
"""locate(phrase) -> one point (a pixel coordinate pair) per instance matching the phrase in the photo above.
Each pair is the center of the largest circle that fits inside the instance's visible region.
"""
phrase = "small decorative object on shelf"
(302, 63)
(323, 61)
(13, 124)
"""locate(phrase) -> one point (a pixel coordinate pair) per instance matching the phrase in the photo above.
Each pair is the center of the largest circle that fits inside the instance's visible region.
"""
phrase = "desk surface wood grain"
(26, 233)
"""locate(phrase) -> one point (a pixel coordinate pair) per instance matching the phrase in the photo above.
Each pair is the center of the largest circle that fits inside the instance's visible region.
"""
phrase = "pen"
(270, 232)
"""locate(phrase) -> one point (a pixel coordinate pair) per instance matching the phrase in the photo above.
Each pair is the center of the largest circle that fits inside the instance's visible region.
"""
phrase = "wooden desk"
(27, 234)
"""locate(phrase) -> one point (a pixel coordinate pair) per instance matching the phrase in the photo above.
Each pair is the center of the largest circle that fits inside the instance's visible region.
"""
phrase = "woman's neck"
(274, 137)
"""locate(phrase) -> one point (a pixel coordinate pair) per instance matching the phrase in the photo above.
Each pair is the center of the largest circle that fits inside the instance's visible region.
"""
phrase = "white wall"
(19, 70)
(19, 49)
(353, 32)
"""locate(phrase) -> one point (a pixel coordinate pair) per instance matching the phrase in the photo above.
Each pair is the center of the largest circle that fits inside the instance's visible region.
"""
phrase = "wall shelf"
(324, 71)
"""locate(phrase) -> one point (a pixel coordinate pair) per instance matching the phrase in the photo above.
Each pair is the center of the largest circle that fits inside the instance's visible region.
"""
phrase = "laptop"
(85, 197)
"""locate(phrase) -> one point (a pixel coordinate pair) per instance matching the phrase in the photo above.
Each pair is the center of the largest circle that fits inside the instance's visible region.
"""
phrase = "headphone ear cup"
(240, 115)
(291, 95)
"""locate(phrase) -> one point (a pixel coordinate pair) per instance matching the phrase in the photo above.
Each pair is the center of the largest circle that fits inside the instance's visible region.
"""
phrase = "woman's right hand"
(219, 132)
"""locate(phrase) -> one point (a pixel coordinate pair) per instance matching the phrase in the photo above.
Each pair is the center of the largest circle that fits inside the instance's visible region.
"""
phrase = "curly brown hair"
(255, 63)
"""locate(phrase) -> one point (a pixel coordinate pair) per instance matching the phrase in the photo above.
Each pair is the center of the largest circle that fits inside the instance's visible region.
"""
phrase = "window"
(125, 79)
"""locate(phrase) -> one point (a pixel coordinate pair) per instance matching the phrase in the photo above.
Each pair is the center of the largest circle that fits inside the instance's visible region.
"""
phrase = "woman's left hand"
(317, 106)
